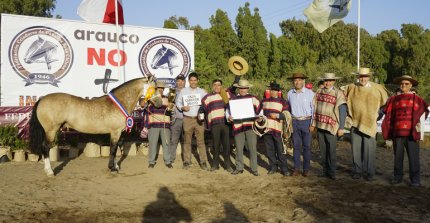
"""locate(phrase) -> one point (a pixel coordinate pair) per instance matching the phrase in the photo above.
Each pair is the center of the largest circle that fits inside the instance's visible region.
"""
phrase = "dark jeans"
(413, 156)
(275, 149)
(302, 136)
(327, 143)
(221, 135)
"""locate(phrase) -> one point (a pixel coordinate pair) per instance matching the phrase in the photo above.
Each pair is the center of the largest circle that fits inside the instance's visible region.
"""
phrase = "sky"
(376, 15)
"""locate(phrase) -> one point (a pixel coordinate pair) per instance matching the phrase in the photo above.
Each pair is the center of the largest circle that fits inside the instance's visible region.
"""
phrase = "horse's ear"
(163, 47)
(150, 78)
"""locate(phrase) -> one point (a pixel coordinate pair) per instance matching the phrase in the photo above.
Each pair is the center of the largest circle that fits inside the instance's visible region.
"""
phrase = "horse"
(41, 49)
(93, 116)
(162, 56)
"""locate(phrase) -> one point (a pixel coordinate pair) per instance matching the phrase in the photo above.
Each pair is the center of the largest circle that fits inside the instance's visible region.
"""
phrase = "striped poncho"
(274, 105)
(326, 104)
(215, 107)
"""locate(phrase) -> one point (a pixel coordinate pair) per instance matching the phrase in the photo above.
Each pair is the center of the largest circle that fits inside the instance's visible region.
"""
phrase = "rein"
(129, 122)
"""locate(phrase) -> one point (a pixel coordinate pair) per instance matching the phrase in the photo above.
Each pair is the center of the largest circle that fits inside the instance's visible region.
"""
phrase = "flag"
(102, 11)
(324, 13)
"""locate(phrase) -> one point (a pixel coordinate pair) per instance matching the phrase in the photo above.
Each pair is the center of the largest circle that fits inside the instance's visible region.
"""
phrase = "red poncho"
(402, 114)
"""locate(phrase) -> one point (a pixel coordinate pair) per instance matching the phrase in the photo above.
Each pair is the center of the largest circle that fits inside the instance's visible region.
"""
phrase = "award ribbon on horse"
(129, 122)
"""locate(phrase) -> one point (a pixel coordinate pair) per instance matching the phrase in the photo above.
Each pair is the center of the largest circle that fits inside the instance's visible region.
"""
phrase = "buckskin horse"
(93, 116)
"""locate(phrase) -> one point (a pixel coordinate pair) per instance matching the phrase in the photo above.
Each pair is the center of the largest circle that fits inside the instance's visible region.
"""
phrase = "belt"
(193, 117)
(301, 118)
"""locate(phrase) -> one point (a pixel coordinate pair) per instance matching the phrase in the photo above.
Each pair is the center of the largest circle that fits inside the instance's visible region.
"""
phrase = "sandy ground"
(84, 191)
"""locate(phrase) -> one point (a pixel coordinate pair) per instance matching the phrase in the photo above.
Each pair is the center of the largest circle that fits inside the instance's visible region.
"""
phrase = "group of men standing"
(328, 111)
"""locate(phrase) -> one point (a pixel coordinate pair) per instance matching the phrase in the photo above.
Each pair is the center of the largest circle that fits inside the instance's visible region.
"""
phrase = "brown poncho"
(364, 103)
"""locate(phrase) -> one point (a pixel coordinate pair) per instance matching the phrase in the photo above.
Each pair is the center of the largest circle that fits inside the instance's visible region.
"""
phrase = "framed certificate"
(242, 108)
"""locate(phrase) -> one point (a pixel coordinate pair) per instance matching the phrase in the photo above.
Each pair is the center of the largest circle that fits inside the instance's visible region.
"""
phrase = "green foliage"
(175, 22)
(41, 8)
(8, 135)
(20, 144)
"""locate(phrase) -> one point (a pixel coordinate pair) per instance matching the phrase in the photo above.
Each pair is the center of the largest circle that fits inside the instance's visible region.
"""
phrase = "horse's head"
(41, 51)
(159, 57)
(38, 49)
(164, 55)
(150, 93)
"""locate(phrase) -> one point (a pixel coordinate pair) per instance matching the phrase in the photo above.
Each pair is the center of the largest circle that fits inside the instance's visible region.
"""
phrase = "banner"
(43, 55)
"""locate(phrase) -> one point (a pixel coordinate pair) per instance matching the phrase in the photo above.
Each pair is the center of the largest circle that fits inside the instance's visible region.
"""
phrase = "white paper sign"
(242, 108)
(192, 99)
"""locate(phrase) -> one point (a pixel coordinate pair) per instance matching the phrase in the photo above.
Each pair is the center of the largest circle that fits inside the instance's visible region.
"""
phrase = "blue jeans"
(302, 137)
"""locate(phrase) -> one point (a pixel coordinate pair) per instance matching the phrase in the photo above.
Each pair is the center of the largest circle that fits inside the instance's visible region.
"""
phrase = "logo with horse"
(165, 57)
(41, 55)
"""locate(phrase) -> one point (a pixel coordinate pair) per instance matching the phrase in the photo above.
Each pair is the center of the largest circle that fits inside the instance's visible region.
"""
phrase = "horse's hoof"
(112, 170)
(49, 173)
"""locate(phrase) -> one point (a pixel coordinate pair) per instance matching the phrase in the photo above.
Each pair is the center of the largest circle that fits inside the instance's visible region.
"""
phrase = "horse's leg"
(114, 138)
(50, 136)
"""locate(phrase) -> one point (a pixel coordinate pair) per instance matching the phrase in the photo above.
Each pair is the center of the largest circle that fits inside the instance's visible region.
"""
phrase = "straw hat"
(238, 65)
(364, 71)
(243, 84)
(397, 80)
(296, 76)
(329, 76)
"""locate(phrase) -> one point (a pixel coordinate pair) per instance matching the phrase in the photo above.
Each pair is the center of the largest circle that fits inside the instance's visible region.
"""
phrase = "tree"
(274, 56)
(253, 41)
(175, 22)
(222, 29)
(41, 8)
(374, 55)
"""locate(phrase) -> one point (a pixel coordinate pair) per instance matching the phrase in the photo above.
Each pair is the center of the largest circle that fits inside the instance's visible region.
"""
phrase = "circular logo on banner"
(165, 58)
(41, 55)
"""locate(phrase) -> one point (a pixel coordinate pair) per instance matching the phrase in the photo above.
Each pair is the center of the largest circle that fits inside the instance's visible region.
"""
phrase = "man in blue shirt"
(300, 100)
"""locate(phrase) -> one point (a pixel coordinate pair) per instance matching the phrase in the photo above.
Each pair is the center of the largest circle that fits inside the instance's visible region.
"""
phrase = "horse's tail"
(37, 133)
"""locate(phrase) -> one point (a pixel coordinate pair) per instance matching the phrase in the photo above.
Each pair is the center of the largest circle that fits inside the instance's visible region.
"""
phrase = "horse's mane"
(126, 83)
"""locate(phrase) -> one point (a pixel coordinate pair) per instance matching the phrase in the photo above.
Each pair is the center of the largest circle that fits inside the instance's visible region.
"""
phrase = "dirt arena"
(84, 191)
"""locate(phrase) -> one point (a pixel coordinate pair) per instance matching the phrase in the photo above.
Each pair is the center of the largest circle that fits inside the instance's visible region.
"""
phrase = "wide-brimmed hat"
(243, 84)
(160, 84)
(397, 80)
(297, 76)
(274, 86)
(364, 71)
(329, 76)
(238, 65)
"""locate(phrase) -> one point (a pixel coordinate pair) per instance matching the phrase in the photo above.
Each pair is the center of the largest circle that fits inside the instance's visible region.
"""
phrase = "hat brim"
(275, 88)
(332, 78)
(238, 59)
(292, 78)
(368, 74)
(240, 86)
(397, 80)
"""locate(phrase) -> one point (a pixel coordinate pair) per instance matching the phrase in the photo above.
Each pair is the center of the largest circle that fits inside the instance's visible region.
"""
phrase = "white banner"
(41, 56)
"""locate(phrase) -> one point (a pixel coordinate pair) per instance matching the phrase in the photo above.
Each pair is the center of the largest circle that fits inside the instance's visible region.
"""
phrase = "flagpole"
(358, 37)
(117, 42)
